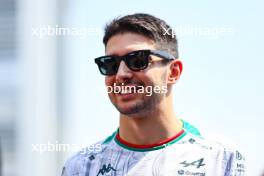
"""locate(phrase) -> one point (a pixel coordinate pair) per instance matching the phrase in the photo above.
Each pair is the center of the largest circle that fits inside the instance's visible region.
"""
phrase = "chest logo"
(105, 169)
(198, 163)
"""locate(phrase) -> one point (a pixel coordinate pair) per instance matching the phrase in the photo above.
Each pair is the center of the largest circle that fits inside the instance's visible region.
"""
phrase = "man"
(140, 66)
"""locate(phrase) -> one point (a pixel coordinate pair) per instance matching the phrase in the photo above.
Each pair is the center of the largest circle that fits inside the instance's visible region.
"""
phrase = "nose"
(123, 72)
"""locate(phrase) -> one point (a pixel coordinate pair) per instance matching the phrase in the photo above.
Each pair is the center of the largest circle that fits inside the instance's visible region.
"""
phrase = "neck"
(151, 128)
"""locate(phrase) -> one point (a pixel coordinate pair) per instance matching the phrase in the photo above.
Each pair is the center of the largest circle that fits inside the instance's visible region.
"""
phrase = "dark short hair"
(146, 25)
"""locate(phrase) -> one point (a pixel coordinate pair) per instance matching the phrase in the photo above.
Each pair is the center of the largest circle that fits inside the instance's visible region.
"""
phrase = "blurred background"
(53, 100)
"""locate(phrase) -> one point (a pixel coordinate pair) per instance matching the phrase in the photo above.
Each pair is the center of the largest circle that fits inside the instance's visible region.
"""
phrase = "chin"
(127, 110)
(132, 108)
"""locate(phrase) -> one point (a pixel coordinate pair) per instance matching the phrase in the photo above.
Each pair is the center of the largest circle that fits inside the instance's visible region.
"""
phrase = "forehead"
(121, 44)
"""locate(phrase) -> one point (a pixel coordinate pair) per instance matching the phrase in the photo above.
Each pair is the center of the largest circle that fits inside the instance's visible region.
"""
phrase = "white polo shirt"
(186, 154)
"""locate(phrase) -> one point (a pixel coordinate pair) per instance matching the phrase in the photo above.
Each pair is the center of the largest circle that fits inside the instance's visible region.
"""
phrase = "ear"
(175, 71)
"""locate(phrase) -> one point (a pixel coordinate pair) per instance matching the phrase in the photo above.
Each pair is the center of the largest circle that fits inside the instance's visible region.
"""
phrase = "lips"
(128, 89)
(127, 96)
(127, 92)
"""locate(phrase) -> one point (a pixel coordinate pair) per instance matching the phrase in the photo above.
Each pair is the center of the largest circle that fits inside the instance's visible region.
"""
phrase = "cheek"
(156, 75)
(109, 80)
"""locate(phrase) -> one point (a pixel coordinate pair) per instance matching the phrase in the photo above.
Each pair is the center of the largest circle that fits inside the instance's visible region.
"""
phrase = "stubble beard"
(146, 106)
(143, 107)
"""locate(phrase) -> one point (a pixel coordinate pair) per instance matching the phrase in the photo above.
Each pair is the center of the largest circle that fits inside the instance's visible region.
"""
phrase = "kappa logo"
(198, 163)
(105, 169)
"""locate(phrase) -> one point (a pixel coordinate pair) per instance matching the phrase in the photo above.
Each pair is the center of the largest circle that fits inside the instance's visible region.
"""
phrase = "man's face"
(155, 75)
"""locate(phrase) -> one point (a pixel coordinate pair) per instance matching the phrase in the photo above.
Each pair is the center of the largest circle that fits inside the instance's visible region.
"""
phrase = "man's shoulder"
(76, 163)
(216, 150)
(79, 161)
(219, 148)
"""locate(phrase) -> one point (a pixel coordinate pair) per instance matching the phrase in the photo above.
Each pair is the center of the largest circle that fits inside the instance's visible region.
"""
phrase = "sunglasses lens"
(137, 61)
(108, 65)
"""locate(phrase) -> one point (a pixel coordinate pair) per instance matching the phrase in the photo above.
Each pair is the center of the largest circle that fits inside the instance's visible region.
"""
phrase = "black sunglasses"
(136, 61)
